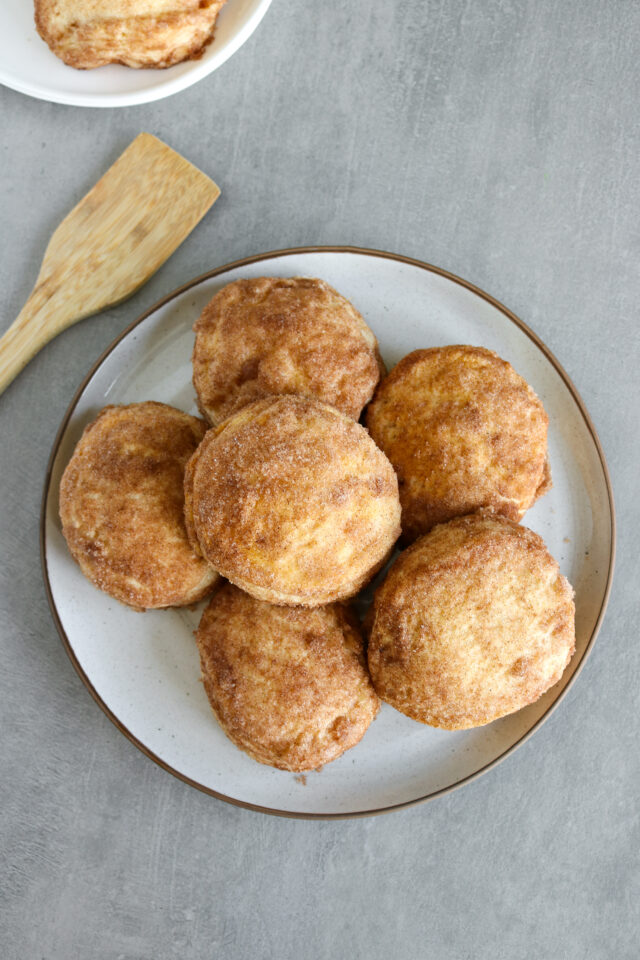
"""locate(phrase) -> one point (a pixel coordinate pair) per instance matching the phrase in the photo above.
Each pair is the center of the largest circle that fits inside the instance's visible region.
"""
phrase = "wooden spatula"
(137, 214)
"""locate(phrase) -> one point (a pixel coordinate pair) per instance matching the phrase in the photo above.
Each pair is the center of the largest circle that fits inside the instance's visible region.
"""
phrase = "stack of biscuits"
(283, 507)
(136, 33)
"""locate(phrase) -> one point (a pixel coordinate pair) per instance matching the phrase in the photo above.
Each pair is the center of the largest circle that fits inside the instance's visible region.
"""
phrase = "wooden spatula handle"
(24, 338)
(112, 241)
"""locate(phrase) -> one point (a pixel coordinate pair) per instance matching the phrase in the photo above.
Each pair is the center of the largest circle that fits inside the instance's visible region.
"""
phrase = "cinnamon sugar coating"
(473, 622)
(289, 686)
(271, 335)
(463, 431)
(293, 502)
(136, 33)
(122, 506)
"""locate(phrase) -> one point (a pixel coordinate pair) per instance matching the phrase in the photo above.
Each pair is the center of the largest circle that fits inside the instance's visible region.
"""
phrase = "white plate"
(27, 64)
(143, 668)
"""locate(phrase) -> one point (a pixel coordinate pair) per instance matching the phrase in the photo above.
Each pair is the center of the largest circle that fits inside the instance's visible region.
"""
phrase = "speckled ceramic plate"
(27, 64)
(143, 669)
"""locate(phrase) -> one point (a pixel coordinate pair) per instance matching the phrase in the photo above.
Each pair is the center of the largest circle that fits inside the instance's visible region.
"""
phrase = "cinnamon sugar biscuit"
(473, 622)
(136, 33)
(289, 686)
(292, 501)
(463, 431)
(271, 335)
(122, 506)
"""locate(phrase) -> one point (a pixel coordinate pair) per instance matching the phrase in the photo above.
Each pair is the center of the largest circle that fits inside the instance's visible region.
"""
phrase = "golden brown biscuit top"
(122, 502)
(288, 685)
(463, 430)
(292, 496)
(137, 33)
(257, 338)
(473, 621)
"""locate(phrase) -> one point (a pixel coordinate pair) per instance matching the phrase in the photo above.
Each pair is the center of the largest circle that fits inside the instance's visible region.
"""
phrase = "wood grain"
(109, 245)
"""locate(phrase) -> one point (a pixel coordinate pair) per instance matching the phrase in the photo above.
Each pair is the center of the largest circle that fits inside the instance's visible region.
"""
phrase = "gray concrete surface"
(498, 139)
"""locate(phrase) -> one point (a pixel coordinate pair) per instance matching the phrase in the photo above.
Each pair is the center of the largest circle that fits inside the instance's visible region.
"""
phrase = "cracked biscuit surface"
(275, 335)
(463, 431)
(122, 506)
(136, 33)
(289, 686)
(292, 501)
(473, 622)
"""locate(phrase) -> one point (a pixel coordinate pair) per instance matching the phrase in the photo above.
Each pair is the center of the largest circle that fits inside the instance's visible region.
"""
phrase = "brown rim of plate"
(272, 255)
